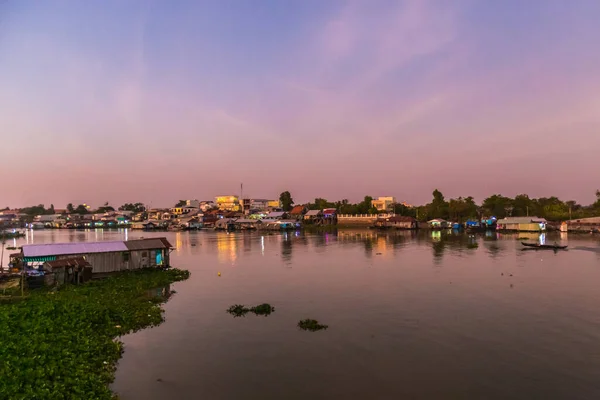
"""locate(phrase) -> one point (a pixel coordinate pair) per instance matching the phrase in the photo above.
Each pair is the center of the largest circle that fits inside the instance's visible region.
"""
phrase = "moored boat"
(543, 246)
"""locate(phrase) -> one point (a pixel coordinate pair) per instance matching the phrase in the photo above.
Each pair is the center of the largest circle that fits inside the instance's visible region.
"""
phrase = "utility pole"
(242, 197)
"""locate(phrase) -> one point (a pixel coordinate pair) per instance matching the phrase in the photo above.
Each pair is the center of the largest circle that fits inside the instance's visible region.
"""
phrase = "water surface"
(427, 316)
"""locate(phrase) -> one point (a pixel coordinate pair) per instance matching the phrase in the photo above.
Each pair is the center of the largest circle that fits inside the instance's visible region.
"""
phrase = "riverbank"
(62, 344)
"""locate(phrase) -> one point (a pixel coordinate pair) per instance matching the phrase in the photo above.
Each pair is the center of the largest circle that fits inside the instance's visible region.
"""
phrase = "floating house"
(439, 223)
(396, 222)
(243, 224)
(275, 216)
(103, 257)
(522, 224)
(223, 224)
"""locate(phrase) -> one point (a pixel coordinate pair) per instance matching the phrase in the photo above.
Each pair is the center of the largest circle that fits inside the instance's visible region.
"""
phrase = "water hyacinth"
(311, 325)
(61, 345)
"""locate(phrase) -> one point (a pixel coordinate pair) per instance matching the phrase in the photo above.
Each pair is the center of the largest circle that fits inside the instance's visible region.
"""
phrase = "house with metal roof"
(275, 216)
(104, 257)
(521, 224)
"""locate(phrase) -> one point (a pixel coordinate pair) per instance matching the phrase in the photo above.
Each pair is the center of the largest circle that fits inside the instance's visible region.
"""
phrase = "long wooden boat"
(543, 246)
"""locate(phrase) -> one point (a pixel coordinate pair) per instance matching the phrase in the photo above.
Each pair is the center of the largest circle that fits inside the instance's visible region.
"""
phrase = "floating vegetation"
(311, 325)
(61, 344)
(10, 248)
(472, 246)
(239, 310)
(263, 309)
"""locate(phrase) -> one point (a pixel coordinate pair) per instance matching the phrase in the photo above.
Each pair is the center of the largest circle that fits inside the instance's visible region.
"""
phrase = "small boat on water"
(543, 246)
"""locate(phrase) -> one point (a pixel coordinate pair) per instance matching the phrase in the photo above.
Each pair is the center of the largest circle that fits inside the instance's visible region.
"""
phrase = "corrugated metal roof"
(313, 213)
(520, 220)
(148, 244)
(276, 214)
(57, 249)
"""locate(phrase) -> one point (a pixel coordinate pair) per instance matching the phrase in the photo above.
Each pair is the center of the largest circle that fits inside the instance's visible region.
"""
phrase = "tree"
(462, 208)
(366, 206)
(497, 205)
(401, 209)
(180, 203)
(523, 206)
(438, 208)
(34, 210)
(286, 201)
(320, 204)
(105, 208)
(70, 208)
(135, 207)
(51, 210)
(81, 209)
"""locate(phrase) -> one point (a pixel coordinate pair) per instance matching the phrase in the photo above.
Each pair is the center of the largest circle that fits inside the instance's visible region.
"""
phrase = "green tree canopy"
(286, 201)
(135, 207)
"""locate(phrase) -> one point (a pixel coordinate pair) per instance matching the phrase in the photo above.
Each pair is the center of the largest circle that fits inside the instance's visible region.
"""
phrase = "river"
(410, 316)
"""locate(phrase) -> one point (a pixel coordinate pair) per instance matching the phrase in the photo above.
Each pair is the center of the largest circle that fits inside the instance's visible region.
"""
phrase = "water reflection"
(230, 246)
(286, 247)
(227, 247)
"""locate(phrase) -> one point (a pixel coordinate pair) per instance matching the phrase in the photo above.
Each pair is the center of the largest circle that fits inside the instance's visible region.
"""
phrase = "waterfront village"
(233, 213)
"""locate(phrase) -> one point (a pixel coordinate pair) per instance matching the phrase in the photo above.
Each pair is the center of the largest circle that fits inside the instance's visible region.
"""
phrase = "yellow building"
(384, 203)
(228, 203)
(274, 204)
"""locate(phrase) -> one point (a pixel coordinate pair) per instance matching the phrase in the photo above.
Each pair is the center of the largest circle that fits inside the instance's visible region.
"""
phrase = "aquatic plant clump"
(61, 344)
(263, 309)
(239, 310)
(311, 325)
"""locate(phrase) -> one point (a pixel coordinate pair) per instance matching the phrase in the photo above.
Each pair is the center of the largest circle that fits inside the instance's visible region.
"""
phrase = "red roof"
(297, 210)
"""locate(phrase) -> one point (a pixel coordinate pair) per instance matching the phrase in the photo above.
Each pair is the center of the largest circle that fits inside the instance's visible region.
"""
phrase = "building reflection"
(286, 247)
(226, 247)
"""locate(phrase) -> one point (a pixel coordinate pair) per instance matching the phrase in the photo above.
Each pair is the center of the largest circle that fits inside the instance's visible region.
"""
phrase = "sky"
(155, 101)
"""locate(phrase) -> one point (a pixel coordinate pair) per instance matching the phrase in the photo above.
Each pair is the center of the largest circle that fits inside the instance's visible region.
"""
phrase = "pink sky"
(141, 102)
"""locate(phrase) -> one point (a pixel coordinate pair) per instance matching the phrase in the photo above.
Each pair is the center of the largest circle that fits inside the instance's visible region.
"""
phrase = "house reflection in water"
(226, 247)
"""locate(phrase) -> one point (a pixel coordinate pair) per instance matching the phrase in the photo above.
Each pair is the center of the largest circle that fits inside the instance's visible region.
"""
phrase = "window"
(144, 254)
(125, 257)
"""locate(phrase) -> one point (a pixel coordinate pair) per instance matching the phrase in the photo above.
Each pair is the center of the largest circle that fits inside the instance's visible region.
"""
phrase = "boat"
(543, 246)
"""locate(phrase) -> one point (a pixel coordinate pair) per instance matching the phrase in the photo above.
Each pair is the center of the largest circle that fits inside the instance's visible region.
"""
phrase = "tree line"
(463, 208)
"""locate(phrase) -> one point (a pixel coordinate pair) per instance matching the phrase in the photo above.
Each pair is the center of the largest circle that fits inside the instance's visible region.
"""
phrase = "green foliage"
(311, 325)
(34, 210)
(320, 204)
(135, 207)
(286, 201)
(180, 203)
(70, 208)
(81, 209)
(462, 209)
(263, 309)
(61, 345)
(239, 310)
